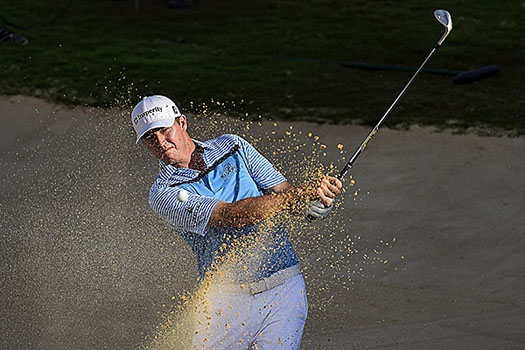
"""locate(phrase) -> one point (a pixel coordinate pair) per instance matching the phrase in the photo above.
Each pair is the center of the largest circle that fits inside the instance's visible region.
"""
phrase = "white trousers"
(235, 319)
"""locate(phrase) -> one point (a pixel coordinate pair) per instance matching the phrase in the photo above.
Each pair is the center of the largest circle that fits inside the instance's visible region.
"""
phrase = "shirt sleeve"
(192, 215)
(261, 170)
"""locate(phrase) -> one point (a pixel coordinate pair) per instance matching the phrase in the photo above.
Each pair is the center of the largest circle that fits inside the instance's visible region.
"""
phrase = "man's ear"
(183, 122)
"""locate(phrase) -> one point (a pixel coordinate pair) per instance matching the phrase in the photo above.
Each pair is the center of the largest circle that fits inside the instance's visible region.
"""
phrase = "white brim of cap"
(153, 125)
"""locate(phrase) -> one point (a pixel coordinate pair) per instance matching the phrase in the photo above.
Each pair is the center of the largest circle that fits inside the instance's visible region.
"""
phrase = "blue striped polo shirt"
(234, 170)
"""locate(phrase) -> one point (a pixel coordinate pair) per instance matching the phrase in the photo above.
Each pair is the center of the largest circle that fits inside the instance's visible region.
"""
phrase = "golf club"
(444, 18)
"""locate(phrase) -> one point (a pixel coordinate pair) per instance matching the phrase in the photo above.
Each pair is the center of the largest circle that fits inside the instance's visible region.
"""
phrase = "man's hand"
(327, 190)
(318, 211)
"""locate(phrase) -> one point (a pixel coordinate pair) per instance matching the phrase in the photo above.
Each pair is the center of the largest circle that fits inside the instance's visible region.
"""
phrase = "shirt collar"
(200, 143)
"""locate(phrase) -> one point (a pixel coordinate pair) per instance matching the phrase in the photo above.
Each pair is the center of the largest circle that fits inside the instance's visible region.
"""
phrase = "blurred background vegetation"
(272, 58)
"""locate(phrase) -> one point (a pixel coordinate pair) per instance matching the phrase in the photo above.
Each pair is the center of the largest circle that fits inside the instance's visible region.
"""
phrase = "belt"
(272, 281)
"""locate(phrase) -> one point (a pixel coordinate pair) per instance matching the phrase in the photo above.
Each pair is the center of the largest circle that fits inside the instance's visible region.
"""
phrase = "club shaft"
(350, 163)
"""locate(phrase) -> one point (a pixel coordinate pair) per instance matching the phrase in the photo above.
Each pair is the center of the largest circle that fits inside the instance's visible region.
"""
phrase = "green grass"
(103, 53)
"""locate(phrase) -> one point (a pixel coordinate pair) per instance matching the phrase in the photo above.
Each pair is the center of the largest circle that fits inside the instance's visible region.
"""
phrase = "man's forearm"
(253, 210)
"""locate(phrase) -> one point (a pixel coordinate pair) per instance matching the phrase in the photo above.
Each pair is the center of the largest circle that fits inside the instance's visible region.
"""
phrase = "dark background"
(278, 59)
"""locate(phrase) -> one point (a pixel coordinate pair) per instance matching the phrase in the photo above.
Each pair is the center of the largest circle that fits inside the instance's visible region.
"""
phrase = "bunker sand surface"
(424, 251)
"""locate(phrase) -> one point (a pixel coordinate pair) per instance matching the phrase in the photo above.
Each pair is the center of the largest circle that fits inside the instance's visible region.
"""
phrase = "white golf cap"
(153, 112)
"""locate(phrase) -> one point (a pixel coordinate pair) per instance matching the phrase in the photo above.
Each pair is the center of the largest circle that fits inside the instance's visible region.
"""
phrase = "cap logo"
(146, 113)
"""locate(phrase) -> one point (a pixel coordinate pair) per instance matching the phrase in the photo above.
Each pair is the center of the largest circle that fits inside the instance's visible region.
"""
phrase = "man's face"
(171, 144)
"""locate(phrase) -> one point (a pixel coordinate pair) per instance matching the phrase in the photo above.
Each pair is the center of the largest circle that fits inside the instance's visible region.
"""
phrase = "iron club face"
(443, 17)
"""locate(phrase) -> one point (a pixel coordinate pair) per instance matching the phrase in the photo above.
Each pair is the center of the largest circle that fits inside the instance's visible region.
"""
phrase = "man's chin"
(172, 162)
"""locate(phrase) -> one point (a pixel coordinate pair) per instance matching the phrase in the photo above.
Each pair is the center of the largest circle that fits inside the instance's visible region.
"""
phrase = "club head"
(444, 17)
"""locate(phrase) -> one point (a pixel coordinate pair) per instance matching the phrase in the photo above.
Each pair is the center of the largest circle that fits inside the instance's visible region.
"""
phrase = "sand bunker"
(424, 251)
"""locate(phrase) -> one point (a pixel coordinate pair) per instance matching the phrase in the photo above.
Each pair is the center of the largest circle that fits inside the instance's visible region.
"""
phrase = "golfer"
(234, 195)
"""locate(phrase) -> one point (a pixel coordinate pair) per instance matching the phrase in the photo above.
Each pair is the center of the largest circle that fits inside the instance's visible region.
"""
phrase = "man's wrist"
(293, 199)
